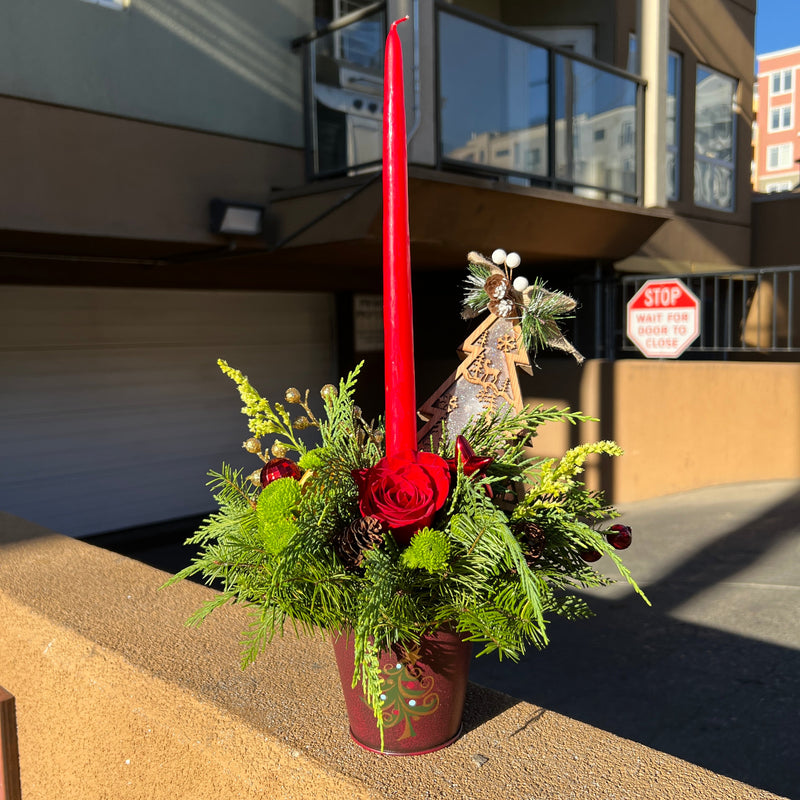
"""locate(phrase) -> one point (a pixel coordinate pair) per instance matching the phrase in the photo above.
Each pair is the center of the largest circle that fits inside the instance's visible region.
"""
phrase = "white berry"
(521, 283)
(512, 260)
(499, 257)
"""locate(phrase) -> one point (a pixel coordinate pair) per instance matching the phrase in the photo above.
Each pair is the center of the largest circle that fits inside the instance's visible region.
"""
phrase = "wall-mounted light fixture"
(119, 5)
(236, 219)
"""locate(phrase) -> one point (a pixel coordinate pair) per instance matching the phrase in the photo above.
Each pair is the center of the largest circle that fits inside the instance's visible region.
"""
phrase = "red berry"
(279, 468)
(590, 555)
(619, 537)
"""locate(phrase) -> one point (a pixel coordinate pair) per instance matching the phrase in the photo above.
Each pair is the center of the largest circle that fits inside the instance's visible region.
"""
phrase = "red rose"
(404, 491)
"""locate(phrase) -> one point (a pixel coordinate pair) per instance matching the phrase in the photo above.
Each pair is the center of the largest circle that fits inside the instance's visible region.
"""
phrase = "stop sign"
(663, 318)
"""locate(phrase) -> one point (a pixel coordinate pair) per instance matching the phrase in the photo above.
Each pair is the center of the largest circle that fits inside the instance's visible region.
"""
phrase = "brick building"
(777, 127)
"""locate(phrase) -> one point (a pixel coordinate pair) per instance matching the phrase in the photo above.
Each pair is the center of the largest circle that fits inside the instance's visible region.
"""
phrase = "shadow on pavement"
(722, 700)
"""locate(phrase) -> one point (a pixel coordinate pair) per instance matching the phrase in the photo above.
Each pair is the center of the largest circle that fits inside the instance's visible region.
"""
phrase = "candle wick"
(398, 21)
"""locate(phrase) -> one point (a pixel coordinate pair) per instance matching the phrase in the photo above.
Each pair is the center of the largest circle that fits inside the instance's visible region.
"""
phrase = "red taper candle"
(398, 328)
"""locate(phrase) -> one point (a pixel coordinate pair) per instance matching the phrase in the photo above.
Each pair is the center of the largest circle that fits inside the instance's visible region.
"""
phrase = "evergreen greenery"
(473, 569)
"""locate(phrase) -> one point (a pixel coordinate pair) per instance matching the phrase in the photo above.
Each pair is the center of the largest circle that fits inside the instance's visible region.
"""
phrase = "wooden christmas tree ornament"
(485, 379)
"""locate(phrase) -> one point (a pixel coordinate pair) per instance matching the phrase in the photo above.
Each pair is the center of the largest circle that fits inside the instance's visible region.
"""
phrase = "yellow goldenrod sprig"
(263, 418)
(556, 478)
(572, 462)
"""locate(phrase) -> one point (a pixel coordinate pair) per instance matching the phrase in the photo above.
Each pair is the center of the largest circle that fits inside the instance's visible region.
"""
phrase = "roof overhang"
(451, 214)
(327, 236)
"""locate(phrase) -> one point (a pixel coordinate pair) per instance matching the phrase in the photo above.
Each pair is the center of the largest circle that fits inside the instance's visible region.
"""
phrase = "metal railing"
(742, 311)
(507, 104)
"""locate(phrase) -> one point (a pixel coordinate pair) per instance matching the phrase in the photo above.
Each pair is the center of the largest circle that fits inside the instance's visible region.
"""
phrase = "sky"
(777, 25)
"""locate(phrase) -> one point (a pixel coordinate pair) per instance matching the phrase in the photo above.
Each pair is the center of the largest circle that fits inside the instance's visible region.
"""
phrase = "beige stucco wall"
(124, 178)
(682, 424)
(117, 699)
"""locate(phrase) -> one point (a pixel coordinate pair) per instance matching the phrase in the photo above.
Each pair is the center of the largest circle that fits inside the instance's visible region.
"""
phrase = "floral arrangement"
(479, 535)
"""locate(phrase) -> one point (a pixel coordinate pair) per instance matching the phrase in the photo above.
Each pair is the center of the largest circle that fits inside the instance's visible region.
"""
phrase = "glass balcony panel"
(673, 123)
(347, 96)
(596, 140)
(493, 95)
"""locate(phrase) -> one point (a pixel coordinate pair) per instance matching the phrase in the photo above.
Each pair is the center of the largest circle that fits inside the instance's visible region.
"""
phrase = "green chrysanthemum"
(276, 507)
(428, 550)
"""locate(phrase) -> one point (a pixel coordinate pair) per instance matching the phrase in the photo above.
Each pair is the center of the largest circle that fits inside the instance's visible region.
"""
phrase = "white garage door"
(112, 407)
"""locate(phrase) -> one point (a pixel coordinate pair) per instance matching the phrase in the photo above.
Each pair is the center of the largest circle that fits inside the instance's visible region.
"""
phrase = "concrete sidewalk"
(710, 673)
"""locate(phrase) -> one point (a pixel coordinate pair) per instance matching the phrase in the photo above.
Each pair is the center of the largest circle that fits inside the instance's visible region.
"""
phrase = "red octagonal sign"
(663, 318)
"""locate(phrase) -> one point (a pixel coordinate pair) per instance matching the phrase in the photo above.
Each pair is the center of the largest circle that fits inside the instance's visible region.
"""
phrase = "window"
(781, 82)
(599, 135)
(780, 118)
(673, 122)
(361, 44)
(673, 112)
(627, 134)
(714, 142)
(533, 158)
(778, 186)
(779, 156)
(633, 55)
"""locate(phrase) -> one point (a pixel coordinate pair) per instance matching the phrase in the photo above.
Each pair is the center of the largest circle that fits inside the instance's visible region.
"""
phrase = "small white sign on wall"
(367, 323)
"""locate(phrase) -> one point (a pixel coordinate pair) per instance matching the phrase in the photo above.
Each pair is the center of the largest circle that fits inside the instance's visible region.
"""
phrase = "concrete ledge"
(117, 699)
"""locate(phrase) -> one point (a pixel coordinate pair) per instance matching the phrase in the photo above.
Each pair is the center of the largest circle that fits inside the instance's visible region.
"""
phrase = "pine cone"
(532, 540)
(364, 533)
(503, 308)
(497, 286)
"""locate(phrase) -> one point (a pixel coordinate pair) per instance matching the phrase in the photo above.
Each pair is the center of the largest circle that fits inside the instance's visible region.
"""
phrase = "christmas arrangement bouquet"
(409, 546)
(469, 532)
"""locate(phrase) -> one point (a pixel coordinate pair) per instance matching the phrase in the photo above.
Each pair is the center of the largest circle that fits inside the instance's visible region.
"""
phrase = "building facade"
(540, 128)
(776, 149)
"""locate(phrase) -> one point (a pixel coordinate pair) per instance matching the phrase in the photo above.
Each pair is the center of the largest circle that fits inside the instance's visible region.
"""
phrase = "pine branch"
(230, 488)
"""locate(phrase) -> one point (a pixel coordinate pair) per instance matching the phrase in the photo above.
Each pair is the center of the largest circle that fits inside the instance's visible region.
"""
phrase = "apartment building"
(592, 141)
(776, 149)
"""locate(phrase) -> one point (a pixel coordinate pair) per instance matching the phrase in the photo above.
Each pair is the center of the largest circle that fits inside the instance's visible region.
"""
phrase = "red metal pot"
(422, 702)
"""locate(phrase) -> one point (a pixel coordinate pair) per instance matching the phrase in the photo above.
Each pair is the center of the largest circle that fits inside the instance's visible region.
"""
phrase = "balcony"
(543, 144)
(506, 106)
